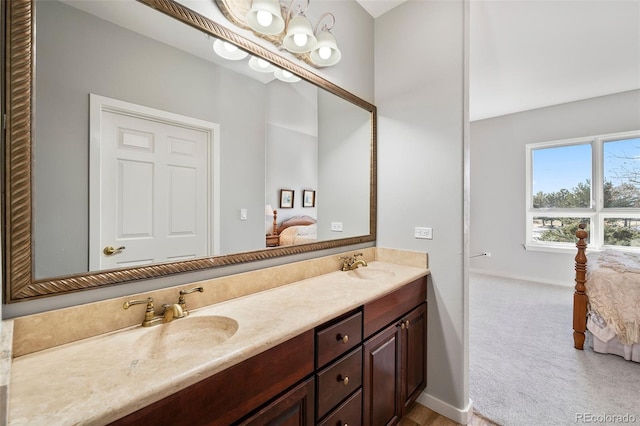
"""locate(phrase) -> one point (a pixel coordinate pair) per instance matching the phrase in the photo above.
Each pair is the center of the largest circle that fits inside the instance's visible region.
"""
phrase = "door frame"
(99, 104)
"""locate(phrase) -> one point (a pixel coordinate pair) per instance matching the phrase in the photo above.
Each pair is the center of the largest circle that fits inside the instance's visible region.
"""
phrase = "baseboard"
(521, 277)
(460, 416)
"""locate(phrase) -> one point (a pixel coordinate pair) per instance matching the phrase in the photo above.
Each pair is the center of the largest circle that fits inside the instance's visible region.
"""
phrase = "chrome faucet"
(352, 262)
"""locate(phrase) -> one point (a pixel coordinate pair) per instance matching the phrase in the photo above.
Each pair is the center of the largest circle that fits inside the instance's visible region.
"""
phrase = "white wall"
(498, 180)
(420, 94)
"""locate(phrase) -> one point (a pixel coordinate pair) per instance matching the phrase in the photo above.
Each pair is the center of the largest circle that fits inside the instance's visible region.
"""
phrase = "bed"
(606, 301)
(297, 230)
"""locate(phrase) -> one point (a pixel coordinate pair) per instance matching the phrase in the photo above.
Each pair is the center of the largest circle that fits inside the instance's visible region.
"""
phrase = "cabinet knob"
(402, 325)
(344, 380)
(407, 322)
(344, 339)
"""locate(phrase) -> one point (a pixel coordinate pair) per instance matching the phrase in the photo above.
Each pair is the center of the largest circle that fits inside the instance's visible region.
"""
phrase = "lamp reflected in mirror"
(270, 212)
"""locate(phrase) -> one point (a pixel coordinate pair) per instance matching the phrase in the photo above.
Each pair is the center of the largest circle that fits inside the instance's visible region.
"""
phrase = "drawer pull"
(344, 380)
(344, 339)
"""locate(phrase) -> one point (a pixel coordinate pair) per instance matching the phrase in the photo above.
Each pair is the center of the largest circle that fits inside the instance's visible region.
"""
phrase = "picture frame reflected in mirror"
(286, 198)
(308, 198)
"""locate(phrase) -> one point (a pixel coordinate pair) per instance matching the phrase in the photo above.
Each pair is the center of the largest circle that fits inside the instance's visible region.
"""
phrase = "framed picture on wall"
(286, 198)
(308, 198)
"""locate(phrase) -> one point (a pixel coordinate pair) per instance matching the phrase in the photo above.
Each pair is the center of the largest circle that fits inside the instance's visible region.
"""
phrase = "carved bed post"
(579, 296)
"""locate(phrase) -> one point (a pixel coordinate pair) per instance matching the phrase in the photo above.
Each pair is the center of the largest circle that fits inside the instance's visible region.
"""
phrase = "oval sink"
(368, 273)
(185, 336)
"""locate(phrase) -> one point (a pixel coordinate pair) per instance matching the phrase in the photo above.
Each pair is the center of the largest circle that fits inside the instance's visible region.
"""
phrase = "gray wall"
(144, 72)
(344, 185)
(420, 94)
(498, 180)
(292, 145)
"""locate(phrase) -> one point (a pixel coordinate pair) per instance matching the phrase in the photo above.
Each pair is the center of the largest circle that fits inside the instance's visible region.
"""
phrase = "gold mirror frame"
(20, 283)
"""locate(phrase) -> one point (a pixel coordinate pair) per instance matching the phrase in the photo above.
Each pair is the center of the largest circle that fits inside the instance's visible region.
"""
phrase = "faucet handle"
(181, 300)
(149, 313)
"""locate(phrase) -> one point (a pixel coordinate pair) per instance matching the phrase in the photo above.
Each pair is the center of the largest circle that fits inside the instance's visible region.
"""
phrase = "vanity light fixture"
(229, 51)
(286, 76)
(287, 27)
(260, 65)
(265, 17)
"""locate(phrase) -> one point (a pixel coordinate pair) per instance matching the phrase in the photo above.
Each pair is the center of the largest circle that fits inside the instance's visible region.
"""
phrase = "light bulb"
(300, 39)
(262, 63)
(264, 18)
(287, 74)
(229, 47)
(324, 52)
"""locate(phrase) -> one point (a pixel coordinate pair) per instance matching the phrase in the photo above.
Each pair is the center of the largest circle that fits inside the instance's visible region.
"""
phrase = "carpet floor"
(523, 369)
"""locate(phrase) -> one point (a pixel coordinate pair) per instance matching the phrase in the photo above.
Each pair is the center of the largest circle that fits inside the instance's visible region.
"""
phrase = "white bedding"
(299, 234)
(613, 287)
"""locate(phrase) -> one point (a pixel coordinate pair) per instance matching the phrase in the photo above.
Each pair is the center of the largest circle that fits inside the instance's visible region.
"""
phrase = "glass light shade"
(286, 76)
(298, 27)
(260, 65)
(326, 52)
(259, 13)
(229, 51)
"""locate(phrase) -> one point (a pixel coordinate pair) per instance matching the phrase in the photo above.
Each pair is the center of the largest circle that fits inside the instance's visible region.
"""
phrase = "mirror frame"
(20, 282)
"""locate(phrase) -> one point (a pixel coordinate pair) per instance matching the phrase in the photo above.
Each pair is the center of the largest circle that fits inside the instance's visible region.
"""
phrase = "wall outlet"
(243, 214)
(336, 226)
(424, 233)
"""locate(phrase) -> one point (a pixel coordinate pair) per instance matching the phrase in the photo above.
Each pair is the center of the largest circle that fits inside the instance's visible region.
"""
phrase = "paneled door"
(154, 202)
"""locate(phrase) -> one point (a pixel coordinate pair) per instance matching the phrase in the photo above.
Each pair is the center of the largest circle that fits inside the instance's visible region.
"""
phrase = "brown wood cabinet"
(362, 368)
(293, 408)
(395, 357)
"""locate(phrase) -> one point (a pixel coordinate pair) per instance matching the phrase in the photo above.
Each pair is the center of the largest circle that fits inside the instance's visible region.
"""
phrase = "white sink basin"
(368, 273)
(185, 336)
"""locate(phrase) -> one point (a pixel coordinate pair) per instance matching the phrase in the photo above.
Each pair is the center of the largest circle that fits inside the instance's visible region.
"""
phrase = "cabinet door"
(294, 408)
(381, 403)
(414, 352)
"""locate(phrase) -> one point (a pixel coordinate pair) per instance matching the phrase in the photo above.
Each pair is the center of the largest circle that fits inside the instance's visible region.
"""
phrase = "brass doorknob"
(343, 338)
(108, 250)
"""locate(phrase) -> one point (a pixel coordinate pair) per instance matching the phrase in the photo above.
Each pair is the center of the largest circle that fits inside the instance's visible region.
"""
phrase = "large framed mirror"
(86, 79)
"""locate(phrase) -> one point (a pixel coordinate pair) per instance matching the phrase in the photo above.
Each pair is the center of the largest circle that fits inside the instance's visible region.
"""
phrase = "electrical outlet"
(336, 226)
(486, 253)
(424, 233)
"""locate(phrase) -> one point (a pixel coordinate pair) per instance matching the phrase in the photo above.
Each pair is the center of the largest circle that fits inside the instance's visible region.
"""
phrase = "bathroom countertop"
(100, 379)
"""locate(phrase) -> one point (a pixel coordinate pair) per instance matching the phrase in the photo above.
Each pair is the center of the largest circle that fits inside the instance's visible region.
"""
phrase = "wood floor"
(420, 415)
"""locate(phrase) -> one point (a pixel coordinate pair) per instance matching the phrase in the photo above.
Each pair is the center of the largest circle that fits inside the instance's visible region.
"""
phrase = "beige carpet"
(523, 369)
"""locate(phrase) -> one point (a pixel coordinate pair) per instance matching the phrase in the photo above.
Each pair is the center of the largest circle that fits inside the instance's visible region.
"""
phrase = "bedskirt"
(603, 340)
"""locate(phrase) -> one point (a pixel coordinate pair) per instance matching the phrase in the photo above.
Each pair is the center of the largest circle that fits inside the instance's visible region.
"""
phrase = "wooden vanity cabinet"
(394, 357)
(226, 397)
(362, 368)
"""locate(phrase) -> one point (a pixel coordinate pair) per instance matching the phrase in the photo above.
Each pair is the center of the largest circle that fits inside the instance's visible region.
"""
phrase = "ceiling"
(527, 54)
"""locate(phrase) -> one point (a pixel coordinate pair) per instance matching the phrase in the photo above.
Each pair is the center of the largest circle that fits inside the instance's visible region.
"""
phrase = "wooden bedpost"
(579, 296)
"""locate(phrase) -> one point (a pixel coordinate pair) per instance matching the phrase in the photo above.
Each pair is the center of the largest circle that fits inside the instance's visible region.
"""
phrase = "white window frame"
(596, 213)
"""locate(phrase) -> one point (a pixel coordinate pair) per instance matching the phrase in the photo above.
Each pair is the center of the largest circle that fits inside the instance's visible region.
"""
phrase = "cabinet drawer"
(336, 339)
(381, 312)
(339, 380)
(348, 413)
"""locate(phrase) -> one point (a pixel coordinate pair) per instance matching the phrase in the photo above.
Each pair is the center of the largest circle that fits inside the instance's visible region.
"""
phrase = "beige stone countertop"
(100, 379)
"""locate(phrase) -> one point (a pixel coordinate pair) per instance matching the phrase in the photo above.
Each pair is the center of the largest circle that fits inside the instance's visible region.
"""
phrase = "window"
(593, 180)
